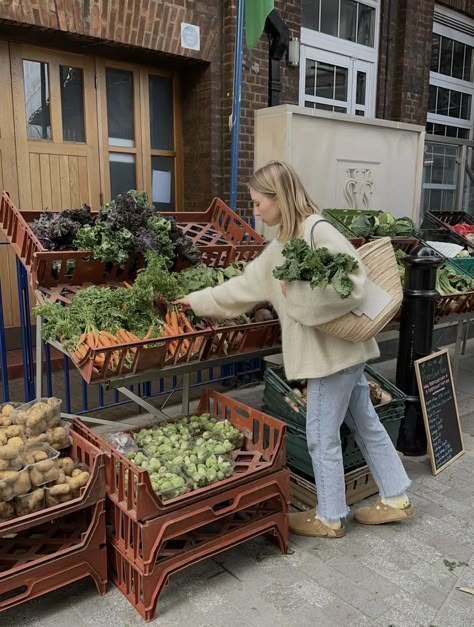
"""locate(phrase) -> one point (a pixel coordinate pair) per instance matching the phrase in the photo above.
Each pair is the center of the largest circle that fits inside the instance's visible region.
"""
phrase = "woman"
(334, 368)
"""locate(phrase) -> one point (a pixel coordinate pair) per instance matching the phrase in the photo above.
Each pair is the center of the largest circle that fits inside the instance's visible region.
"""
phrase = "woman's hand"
(283, 285)
(184, 302)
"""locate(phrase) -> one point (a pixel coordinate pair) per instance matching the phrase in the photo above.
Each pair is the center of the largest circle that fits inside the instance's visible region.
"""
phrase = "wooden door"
(9, 183)
(55, 120)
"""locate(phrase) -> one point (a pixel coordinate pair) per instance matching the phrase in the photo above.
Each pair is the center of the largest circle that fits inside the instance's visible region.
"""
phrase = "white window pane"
(36, 82)
(366, 25)
(310, 14)
(348, 21)
(329, 17)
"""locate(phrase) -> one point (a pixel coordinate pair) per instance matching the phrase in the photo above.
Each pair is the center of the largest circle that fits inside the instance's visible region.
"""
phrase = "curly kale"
(318, 266)
(184, 247)
(130, 210)
(57, 231)
(156, 237)
(106, 244)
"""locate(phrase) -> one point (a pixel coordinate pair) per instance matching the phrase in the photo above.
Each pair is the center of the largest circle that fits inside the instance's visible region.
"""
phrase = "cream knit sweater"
(307, 352)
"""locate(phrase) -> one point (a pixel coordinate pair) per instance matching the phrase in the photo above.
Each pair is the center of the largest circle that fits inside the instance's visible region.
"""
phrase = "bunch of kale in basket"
(129, 224)
(318, 266)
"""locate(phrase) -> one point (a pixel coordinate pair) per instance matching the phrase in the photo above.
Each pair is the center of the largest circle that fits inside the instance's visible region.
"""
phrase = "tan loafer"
(379, 513)
(306, 524)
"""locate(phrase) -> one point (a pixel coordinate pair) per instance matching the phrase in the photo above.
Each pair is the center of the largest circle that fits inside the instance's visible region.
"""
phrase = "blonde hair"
(279, 180)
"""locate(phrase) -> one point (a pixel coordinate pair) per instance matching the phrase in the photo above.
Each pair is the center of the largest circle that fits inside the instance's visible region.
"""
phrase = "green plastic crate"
(277, 390)
(462, 265)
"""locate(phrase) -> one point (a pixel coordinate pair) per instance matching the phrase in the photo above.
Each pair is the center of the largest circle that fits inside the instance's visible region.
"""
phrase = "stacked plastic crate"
(55, 546)
(149, 538)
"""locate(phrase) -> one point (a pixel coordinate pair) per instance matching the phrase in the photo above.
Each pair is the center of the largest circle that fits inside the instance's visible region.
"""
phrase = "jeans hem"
(402, 491)
(333, 516)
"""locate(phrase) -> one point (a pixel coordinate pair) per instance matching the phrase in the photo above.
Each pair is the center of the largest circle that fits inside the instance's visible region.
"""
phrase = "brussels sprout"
(132, 455)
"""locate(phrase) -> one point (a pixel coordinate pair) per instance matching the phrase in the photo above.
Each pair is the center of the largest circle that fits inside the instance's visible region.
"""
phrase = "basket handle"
(312, 230)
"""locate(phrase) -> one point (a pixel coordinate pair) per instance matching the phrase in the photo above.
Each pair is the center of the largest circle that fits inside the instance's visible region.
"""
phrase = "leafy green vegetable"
(106, 244)
(404, 227)
(363, 225)
(57, 231)
(318, 266)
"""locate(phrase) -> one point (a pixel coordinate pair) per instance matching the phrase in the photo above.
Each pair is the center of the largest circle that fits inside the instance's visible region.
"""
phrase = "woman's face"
(265, 208)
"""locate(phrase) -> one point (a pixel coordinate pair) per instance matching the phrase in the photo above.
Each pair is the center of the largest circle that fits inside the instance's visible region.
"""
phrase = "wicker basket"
(379, 258)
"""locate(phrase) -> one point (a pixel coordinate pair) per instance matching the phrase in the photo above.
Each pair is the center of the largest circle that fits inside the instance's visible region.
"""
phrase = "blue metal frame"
(238, 64)
(26, 333)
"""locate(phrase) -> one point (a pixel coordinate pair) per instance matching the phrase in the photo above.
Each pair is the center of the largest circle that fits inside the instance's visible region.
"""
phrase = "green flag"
(256, 12)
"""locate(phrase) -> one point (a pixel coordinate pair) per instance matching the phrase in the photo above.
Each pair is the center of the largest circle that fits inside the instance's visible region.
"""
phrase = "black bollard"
(416, 341)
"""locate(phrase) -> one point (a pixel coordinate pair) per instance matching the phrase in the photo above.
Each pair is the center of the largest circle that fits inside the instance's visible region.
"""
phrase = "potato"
(22, 483)
(7, 474)
(13, 483)
(8, 452)
(60, 490)
(45, 466)
(61, 478)
(21, 417)
(40, 456)
(67, 465)
(38, 439)
(78, 481)
(14, 431)
(4, 464)
(30, 503)
(7, 410)
(16, 442)
(5, 421)
(3, 438)
(7, 511)
(58, 437)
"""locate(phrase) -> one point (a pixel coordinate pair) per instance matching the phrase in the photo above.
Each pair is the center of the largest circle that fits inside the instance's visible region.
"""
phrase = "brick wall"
(404, 60)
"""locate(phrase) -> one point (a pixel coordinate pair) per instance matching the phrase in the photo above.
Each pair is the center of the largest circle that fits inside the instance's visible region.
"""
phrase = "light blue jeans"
(345, 396)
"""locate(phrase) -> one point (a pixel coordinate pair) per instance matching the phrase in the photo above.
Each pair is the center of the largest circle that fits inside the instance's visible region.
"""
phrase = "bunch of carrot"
(94, 340)
(176, 324)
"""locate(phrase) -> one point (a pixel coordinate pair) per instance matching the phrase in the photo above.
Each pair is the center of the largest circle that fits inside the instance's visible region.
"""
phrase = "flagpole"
(238, 64)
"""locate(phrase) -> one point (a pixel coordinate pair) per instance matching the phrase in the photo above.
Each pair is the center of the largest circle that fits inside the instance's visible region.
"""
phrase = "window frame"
(322, 45)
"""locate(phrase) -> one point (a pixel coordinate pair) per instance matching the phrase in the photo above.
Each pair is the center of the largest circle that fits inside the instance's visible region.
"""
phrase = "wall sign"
(190, 36)
(440, 410)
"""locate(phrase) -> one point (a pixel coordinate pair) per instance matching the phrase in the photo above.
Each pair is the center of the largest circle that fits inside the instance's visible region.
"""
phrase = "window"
(72, 103)
(346, 19)
(36, 81)
(446, 178)
(339, 55)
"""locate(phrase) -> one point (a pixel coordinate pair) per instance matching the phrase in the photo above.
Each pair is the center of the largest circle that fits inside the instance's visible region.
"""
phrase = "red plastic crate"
(143, 544)
(84, 452)
(51, 555)
(133, 357)
(49, 267)
(235, 339)
(263, 452)
(143, 590)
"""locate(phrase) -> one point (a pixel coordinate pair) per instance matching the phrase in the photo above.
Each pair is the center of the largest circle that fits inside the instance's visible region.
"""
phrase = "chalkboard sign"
(440, 410)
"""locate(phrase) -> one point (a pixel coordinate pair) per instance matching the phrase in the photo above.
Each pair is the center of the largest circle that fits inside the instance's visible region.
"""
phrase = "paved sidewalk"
(390, 576)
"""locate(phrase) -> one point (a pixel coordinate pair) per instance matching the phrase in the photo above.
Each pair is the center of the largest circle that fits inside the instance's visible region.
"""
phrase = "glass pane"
(468, 66)
(340, 110)
(360, 89)
(162, 178)
(366, 25)
(122, 173)
(446, 56)
(439, 129)
(451, 131)
(348, 21)
(432, 99)
(72, 103)
(458, 60)
(429, 128)
(323, 107)
(465, 113)
(36, 80)
(310, 14)
(329, 17)
(310, 77)
(341, 83)
(435, 53)
(120, 117)
(435, 200)
(442, 106)
(310, 105)
(161, 113)
(454, 104)
(463, 133)
(359, 112)
(325, 80)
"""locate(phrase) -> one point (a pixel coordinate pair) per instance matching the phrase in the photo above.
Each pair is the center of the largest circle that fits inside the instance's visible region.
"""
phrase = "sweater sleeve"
(312, 307)
(238, 295)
